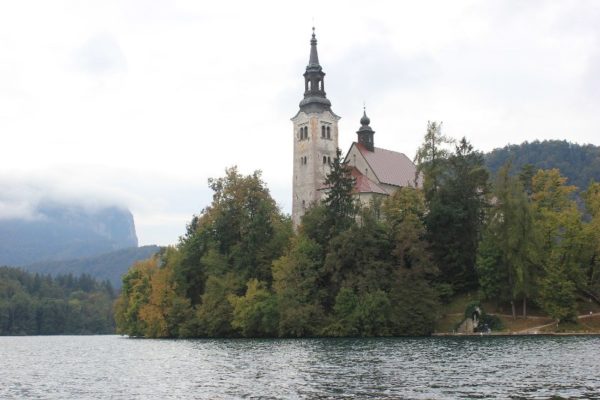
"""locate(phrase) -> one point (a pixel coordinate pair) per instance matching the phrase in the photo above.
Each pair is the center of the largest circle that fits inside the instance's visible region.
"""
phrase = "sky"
(138, 103)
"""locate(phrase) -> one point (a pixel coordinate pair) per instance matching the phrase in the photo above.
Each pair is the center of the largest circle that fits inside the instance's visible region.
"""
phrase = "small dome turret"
(365, 133)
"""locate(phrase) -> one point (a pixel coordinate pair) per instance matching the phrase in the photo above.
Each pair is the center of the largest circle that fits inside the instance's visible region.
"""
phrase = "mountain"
(109, 266)
(65, 231)
(579, 163)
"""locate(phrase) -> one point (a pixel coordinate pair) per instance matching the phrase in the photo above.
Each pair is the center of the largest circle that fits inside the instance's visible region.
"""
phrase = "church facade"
(377, 172)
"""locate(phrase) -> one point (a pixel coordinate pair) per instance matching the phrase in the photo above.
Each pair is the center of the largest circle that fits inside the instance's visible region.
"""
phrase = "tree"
(255, 313)
(559, 221)
(299, 283)
(591, 236)
(431, 157)
(135, 294)
(507, 255)
(412, 297)
(215, 313)
(340, 205)
(456, 213)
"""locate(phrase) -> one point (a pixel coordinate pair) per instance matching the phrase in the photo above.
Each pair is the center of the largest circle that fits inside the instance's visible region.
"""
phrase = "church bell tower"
(315, 138)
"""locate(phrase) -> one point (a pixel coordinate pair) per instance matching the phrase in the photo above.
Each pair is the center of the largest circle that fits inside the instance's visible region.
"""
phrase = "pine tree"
(340, 205)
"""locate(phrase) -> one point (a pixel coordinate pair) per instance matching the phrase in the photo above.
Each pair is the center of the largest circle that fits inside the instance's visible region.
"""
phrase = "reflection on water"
(101, 367)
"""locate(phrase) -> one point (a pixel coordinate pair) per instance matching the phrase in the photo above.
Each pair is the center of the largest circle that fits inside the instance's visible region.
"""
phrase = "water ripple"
(99, 367)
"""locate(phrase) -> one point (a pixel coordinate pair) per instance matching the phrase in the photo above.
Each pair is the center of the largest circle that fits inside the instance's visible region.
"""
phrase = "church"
(377, 172)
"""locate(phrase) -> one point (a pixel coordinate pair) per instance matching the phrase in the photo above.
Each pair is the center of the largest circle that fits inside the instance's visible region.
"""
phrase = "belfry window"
(328, 132)
(323, 132)
(324, 159)
(303, 133)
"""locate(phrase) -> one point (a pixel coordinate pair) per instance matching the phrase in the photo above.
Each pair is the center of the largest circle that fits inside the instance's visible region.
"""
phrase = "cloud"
(100, 55)
(376, 69)
(161, 203)
(21, 194)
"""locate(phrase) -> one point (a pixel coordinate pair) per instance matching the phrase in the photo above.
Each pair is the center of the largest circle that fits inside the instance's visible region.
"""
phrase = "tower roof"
(364, 122)
(313, 61)
(366, 133)
(315, 98)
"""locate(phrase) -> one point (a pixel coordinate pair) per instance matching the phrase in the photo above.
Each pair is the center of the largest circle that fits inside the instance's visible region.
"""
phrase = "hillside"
(579, 163)
(41, 305)
(109, 266)
(56, 231)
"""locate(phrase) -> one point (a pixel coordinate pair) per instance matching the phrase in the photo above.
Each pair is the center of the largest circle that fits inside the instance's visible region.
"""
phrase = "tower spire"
(315, 99)
(313, 61)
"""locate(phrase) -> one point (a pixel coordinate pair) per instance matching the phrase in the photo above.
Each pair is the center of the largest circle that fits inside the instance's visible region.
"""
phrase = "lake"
(114, 367)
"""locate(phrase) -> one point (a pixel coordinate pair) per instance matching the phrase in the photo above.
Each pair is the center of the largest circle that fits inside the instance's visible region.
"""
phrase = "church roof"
(390, 167)
(362, 184)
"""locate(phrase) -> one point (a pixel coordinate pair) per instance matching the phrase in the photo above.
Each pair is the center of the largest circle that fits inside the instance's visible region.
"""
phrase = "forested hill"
(579, 163)
(41, 305)
(109, 266)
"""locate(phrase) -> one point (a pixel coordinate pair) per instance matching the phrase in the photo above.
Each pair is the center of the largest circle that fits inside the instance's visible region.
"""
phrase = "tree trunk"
(514, 310)
(524, 307)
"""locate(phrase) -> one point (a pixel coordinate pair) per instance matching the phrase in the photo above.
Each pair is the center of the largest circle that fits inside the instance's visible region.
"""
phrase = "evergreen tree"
(559, 221)
(339, 203)
(456, 213)
(507, 256)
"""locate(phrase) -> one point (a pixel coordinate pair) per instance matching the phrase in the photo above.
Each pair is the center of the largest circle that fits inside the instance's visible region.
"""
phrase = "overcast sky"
(140, 102)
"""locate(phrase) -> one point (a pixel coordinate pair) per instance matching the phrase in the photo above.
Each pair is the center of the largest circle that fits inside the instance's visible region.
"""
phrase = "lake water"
(113, 367)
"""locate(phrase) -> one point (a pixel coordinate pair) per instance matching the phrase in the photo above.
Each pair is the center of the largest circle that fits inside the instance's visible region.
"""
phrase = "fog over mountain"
(58, 231)
(45, 219)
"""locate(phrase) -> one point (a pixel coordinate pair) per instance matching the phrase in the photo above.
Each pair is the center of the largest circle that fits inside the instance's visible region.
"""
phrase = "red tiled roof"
(391, 167)
(362, 184)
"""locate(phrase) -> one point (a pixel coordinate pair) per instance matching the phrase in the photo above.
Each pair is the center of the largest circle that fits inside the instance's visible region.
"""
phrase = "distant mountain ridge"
(109, 266)
(65, 231)
(579, 163)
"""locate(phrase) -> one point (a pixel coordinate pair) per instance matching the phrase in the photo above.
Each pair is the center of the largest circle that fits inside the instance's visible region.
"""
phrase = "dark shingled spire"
(365, 133)
(314, 56)
(315, 99)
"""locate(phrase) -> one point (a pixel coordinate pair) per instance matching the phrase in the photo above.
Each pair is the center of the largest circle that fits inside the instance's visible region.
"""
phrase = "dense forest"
(580, 164)
(516, 237)
(33, 304)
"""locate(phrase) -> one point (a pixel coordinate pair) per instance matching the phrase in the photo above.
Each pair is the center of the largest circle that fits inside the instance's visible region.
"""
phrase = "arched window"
(328, 132)
(324, 159)
(328, 160)
(323, 132)
(303, 204)
(309, 85)
(320, 83)
(306, 132)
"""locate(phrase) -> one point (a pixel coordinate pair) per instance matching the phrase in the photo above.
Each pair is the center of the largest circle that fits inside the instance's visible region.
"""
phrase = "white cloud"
(100, 55)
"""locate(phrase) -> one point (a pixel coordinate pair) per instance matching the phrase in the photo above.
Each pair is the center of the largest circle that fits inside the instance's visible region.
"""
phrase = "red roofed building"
(378, 172)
